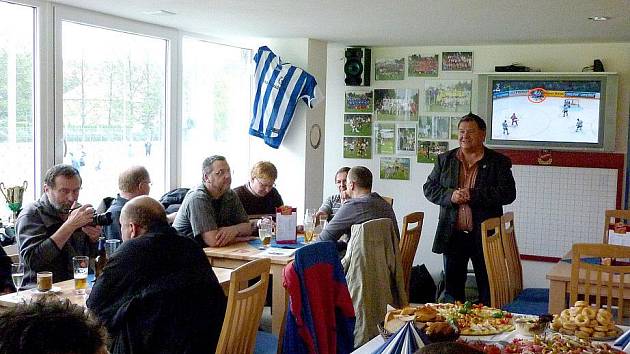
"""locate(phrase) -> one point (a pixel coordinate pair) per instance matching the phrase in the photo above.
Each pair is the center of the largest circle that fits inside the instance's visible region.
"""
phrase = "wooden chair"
(244, 307)
(409, 243)
(612, 217)
(389, 201)
(598, 281)
(495, 262)
(512, 256)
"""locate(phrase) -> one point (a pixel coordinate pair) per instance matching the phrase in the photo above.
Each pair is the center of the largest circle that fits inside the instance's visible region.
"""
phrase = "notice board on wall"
(562, 201)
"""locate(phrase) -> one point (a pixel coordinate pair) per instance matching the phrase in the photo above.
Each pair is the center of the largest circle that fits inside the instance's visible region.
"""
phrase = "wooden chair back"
(495, 262)
(244, 307)
(605, 284)
(410, 238)
(512, 256)
(389, 201)
(612, 217)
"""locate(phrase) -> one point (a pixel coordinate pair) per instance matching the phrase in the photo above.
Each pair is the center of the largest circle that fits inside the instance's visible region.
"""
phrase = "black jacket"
(158, 294)
(494, 187)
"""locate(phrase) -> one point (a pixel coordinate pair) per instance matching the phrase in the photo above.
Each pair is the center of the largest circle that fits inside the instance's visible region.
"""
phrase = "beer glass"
(265, 231)
(17, 274)
(44, 281)
(80, 267)
(309, 228)
(111, 246)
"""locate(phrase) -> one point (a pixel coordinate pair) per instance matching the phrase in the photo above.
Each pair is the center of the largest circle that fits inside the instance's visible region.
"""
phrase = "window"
(16, 99)
(114, 93)
(216, 108)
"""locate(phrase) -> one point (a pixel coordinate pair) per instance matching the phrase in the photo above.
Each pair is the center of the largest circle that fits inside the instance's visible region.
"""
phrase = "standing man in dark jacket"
(470, 184)
(158, 293)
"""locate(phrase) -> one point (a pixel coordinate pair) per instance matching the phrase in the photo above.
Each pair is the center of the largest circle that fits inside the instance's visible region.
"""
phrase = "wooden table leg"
(279, 301)
(557, 296)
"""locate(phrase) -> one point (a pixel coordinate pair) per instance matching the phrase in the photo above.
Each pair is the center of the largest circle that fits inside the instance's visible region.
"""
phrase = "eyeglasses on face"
(265, 185)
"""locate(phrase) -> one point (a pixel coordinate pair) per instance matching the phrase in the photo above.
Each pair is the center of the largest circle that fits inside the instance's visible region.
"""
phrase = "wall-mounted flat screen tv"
(569, 111)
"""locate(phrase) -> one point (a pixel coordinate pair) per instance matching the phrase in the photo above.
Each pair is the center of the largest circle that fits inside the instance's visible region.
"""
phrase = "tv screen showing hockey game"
(546, 111)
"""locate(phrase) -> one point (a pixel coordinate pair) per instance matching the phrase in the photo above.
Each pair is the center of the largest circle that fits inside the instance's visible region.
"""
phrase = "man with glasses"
(212, 214)
(56, 228)
(132, 182)
(259, 195)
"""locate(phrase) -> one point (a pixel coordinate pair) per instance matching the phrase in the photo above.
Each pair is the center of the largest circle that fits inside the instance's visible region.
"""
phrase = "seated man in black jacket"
(158, 293)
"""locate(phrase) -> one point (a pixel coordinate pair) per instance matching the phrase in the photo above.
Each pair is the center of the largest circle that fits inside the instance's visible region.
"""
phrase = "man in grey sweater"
(363, 205)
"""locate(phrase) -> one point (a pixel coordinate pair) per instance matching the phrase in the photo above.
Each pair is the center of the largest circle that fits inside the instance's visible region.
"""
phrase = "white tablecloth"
(376, 342)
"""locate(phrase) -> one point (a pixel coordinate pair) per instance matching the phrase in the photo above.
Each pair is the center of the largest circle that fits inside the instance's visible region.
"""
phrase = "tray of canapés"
(586, 322)
(448, 321)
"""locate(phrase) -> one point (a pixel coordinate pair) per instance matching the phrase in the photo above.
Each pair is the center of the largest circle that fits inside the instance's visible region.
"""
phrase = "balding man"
(362, 206)
(132, 182)
(157, 293)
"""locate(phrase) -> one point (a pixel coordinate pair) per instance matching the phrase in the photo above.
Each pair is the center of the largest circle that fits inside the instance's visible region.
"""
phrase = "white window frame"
(170, 35)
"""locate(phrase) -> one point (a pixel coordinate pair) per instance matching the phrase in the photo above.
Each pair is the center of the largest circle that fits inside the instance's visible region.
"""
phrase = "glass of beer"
(309, 229)
(80, 266)
(265, 231)
(44, 281)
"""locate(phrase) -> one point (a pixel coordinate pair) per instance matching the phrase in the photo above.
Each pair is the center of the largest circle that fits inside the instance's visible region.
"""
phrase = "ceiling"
(386, 23)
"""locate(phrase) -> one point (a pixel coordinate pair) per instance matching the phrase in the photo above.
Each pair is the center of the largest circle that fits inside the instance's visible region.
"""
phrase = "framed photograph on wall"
(419, 66)
(441, 127)
(395, 168)
(396, 104)
(359, 101)
(454, 129)
(448, 95)
(457, 61)
(429, 150)
(406, 139)
(389, 69)
(357, 148)
(357, 124)
(385, 135)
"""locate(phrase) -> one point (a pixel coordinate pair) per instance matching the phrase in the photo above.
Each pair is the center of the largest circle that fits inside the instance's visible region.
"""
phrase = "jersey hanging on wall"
(279, 87)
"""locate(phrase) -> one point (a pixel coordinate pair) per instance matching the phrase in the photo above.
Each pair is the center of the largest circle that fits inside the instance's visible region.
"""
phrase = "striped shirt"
(279, 87)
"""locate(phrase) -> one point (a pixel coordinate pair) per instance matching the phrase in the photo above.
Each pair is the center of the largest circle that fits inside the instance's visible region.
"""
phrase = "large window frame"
(171, 36)
(48, 82)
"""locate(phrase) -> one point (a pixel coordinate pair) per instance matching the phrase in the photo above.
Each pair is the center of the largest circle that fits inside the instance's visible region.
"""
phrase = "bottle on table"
(101, 259)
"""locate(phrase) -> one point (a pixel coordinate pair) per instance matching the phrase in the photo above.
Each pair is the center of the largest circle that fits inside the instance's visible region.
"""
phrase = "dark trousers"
(465, 246)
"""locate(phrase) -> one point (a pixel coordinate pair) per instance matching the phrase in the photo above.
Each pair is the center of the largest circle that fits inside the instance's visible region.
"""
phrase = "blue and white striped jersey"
(279, 86)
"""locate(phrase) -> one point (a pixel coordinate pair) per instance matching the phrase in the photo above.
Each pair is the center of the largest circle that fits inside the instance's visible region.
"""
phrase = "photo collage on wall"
(399, 123)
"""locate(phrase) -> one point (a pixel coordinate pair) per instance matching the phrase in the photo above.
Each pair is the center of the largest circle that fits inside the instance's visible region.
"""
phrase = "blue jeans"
(465, 246)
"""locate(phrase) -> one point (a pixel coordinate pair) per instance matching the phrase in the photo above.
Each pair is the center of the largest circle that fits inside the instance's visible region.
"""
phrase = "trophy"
(14, 197)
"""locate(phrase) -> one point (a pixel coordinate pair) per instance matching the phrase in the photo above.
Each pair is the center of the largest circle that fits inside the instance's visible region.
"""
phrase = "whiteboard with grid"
(558, 206)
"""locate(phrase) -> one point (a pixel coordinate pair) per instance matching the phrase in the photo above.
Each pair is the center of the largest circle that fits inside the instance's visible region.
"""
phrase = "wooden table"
(67, 290)
(559, 278)
(237, 254)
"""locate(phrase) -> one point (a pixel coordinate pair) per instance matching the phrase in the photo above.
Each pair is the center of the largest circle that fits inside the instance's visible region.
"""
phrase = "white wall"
(300, 167)
(408, 195)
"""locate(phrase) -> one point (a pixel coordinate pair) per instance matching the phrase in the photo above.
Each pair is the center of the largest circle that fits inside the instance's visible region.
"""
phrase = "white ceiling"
(387, 23)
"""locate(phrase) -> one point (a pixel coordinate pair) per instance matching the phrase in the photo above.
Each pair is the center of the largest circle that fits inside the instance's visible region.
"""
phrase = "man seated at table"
(6, 283)
(332, 204)
(259, 195)
(55, 228)
(363, 205)
(132, 182)
(157, 293)
(51, 326)
(212, 214)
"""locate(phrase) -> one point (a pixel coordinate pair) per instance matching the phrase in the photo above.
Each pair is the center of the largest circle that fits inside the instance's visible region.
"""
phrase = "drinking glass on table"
(265, 230)
(111, 246)
(17, 274)
(309, 229)
(80, 267)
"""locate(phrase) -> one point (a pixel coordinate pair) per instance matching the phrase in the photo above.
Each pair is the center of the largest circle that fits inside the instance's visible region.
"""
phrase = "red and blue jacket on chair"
(321, 316)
